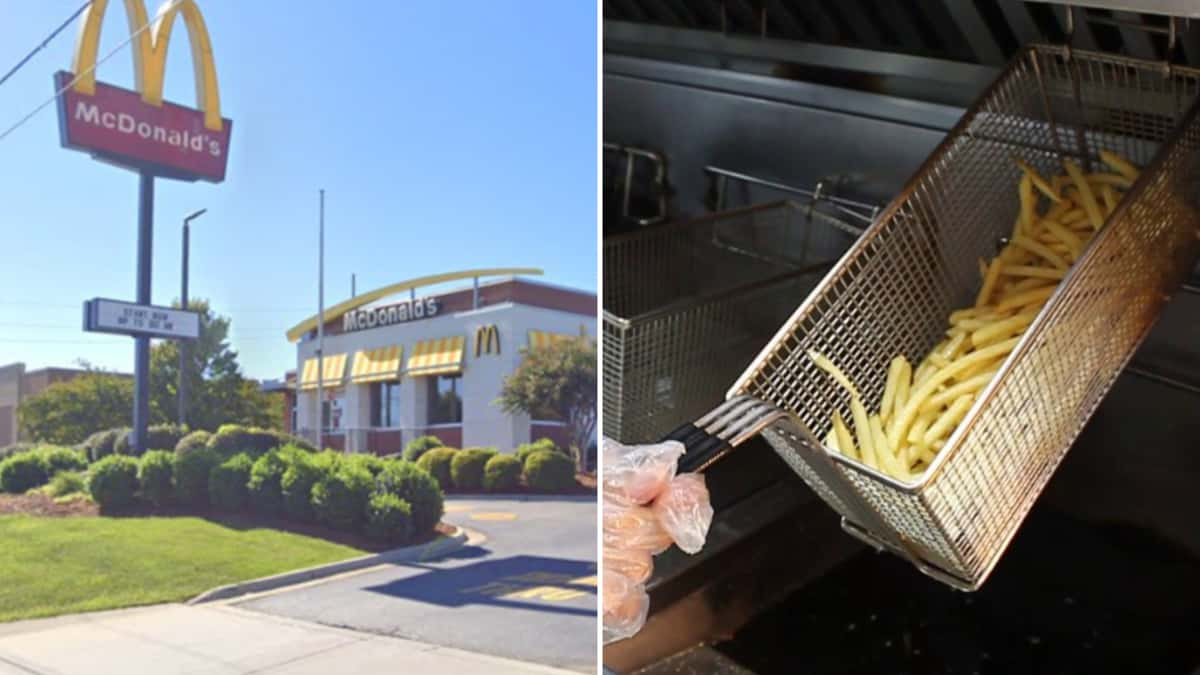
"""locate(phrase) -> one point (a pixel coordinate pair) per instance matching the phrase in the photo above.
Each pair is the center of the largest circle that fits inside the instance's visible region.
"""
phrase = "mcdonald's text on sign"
(137, 129)
(116, 126)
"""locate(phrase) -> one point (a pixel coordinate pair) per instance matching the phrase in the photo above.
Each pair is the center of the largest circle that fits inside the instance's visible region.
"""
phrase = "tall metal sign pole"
(321, 324)
(171, 141)
(141, 343)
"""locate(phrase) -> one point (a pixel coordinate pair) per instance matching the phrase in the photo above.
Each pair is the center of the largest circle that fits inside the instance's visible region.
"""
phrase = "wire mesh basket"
(892, 292)
(687, 305)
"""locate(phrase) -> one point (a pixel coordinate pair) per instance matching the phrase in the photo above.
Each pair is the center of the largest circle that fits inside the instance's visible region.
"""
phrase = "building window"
(331, 410)
(295, 421)
(445, 399)
(385, 404)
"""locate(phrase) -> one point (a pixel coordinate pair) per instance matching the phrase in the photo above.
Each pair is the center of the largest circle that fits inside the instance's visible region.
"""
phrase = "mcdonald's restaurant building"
(398, 363)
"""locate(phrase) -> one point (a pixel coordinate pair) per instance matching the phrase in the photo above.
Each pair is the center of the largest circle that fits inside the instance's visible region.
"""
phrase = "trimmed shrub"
(549, 471)
(114, 481)
(371, 463)
(410, 482)
(502, 473)
(339, 497)
(191, 476)
(541, 445)
(66, 483)
(437, 463)
(419, 446)
(466, 467)
(283, 439)
(23, 472)
(227, 482)
(231, 439)
(156, 473)
(389, 518)
(164, 436)
(265, 485)
(193, 441)
(296, 485)
(63, 459)
(100, 444)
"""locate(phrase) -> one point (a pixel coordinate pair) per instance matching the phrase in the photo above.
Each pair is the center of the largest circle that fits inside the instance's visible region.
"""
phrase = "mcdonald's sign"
(487, 340)
(137, 129)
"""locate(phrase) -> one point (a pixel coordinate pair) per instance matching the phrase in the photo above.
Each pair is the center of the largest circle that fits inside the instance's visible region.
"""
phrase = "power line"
(45, 42)
(75, 79)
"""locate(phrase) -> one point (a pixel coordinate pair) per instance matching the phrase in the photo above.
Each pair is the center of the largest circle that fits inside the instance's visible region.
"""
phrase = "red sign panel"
(116, 125)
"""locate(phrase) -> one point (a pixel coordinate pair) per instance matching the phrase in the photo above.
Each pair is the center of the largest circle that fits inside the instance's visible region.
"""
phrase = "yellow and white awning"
(440, 356)
(375, 365)
(334, 366)
(541, 339)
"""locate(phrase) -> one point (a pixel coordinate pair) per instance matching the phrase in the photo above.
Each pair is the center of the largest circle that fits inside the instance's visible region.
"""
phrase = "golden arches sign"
(149, 48)
(487, 340)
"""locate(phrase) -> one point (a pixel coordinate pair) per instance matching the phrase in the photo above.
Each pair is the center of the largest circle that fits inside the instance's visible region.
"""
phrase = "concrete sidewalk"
(222, 639)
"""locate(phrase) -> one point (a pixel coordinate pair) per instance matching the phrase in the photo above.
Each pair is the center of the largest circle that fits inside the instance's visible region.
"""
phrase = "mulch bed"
(36, 504)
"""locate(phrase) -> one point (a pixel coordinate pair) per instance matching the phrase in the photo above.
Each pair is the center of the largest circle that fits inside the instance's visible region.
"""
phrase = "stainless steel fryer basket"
(893, 290)
(687, 305)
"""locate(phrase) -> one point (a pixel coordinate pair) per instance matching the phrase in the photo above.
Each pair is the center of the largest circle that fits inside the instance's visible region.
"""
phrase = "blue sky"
(446, 135)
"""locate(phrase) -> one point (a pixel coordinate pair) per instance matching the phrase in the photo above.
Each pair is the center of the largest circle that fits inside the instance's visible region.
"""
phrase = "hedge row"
(389, 499)
(541, 465)
(35, 467)
(228, 441)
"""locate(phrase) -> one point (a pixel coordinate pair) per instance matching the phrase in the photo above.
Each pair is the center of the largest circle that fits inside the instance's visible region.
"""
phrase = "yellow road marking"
(494, 515)
(457, 508)
(517, 587)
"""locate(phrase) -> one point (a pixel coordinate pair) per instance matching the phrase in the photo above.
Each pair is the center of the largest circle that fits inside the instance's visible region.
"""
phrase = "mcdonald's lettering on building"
(138, 129)
(429, 356)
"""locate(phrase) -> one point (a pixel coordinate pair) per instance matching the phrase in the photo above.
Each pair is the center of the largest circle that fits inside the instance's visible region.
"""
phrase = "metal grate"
(892, 292)
(687, 305)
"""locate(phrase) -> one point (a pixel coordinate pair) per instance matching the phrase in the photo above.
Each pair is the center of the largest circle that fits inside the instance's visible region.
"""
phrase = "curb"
(443, 545)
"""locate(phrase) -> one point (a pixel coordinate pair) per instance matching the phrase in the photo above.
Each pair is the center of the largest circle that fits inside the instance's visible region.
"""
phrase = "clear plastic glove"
(646, 508)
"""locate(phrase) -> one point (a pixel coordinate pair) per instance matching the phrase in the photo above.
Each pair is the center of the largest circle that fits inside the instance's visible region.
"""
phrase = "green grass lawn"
(51, 566)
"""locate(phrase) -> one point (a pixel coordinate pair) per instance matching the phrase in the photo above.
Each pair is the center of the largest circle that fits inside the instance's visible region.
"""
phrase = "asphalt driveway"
(528, 591)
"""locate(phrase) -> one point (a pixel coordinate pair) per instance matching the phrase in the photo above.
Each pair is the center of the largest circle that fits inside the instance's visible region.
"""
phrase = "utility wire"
(45, 42)
(75, 79)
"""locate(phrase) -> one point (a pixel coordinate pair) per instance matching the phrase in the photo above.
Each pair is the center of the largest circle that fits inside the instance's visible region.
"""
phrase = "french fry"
(1002, 329)
(948, 420)
(845, 440)
(1085, 193)
(1119, 164)
(1030, 297)
(892, 385)
(989, 282)
(1044, 251)
(1031, 271)
(862, 430)
(831, 440)
(971, 385)
(1038, 182)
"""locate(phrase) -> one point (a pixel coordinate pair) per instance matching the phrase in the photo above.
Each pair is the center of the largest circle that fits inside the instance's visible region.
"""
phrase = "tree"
(66, 412)
(217, 392)
(557, 382)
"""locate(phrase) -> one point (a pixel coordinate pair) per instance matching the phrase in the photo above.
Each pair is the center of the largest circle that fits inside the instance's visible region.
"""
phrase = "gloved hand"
(646, 508)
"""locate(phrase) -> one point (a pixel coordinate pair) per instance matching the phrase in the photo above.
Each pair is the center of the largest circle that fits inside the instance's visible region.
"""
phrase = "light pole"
(183, 301)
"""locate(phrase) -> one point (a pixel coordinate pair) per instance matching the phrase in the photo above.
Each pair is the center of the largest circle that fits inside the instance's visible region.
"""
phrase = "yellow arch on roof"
(297, 331)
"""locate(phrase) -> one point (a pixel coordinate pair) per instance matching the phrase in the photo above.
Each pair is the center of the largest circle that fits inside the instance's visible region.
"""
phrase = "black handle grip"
(701, 447)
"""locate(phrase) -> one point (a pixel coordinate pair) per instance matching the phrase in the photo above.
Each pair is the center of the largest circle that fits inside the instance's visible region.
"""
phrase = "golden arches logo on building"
(487, 340)
(149, 49)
